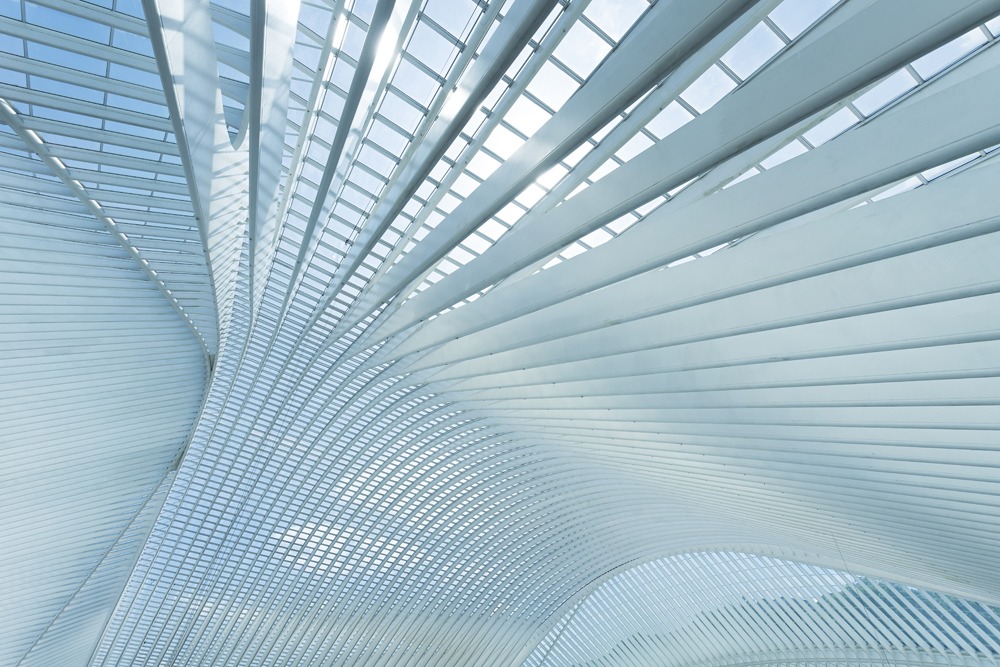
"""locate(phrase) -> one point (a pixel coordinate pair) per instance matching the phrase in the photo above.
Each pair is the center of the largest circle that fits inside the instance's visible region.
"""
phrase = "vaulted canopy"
(499, 333)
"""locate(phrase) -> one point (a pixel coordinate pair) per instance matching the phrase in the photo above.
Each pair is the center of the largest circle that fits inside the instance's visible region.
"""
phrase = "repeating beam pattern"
(503, 303)
(724, 608)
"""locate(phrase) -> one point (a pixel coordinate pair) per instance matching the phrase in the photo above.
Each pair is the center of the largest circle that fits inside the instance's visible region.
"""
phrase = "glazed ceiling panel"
(538, 332)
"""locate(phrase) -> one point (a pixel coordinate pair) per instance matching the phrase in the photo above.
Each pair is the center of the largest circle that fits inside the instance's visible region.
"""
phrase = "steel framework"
(533, 333)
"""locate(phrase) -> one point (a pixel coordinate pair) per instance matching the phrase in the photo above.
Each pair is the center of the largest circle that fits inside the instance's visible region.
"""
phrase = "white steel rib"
(499, 333)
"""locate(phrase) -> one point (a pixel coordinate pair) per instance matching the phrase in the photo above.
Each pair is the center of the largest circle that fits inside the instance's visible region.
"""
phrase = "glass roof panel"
(885, 92)
(615, 17)
(938, 59)
(552, 86)
(793, 17)
(581, 50)
(753, 50)
(413, 406)
(708, 89)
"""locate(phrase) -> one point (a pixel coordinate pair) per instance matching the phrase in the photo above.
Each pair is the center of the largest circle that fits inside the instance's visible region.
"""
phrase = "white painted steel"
(595, 332)
(770, 611)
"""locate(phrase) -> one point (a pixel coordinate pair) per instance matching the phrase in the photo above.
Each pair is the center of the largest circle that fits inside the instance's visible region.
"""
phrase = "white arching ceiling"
(524, 332)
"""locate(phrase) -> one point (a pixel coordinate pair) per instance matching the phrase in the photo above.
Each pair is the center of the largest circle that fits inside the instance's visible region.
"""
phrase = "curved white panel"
(513, 296)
